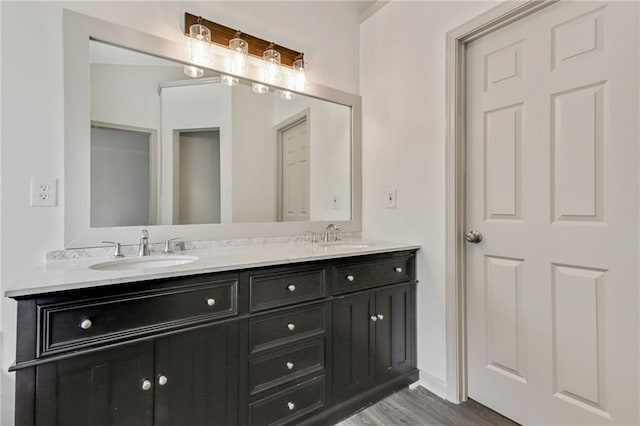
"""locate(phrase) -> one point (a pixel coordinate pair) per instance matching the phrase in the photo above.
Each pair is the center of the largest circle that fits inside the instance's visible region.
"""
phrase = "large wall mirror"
(148, 146)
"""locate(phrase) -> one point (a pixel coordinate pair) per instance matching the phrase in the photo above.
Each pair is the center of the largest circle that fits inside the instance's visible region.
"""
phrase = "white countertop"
(76, 274)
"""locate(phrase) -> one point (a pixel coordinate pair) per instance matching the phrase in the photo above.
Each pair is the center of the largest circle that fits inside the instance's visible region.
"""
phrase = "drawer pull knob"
(146, 384)
(290, 365)
(291, 288)
(291, 326)
(86, 324)
(291, 405)
(398, 269)
(374, 318)
(211, 301)
(380, 317)
(162, 380)
(350, 278)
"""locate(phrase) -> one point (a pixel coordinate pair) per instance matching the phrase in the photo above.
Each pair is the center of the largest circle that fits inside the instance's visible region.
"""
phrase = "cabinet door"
(353, 344)
(394, 332)
(104, 388)
(201, 372)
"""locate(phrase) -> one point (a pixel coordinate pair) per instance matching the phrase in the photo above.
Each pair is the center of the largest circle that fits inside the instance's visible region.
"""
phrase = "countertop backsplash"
(179, 246)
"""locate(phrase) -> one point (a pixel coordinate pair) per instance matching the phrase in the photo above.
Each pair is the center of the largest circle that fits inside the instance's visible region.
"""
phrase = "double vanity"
(266, 334)
(272, 332)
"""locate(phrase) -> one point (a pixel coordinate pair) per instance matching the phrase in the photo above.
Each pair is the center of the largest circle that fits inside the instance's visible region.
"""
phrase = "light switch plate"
(335, 203)
(44, 192)
(390, 198)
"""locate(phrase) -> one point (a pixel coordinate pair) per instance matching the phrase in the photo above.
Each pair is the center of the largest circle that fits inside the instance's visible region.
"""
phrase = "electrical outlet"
(390, 198)
(44, 192)
(334, 201)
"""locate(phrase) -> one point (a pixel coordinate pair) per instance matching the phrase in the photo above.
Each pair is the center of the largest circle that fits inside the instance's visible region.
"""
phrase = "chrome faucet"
(143, 248)
(327, 232)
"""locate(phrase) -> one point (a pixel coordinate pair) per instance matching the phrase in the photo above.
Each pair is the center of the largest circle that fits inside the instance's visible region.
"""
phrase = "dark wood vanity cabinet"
(303, 343)
(372, 335)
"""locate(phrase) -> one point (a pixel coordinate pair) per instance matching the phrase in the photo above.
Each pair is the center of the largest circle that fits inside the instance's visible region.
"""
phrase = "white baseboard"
(432, 384)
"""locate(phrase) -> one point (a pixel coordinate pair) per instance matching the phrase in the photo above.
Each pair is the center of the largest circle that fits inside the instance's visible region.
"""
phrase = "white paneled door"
(295, 173)
(552, 187)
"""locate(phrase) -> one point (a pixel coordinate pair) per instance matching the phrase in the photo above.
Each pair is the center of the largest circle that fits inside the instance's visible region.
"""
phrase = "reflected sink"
(144, 262)
(345, 244)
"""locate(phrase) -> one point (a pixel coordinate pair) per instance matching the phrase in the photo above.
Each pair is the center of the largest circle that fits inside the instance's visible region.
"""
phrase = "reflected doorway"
(197, 189)
(123, 175)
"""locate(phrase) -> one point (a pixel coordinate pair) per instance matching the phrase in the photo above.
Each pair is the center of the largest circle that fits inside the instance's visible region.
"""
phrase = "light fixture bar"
(221, 35)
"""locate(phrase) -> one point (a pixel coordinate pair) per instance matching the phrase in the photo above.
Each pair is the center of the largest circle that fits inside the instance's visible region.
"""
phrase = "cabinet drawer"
(295, 324)
(286, 288)
(371, 273)
(86, 322)
(289, 404)
(278, 367)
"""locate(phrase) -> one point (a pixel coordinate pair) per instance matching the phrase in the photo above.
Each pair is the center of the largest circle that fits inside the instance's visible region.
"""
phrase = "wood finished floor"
(419, 407)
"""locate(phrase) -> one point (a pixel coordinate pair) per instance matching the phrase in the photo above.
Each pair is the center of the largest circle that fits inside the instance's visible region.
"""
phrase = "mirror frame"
(78, 30)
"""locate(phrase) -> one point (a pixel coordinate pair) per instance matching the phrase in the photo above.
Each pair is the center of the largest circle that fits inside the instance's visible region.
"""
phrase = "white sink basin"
(345, 244)
(145, 262)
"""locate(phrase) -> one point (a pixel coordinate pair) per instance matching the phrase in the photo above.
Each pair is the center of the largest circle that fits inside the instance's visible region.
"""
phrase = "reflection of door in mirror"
(123, 175)
(295, 172)
(198, 194)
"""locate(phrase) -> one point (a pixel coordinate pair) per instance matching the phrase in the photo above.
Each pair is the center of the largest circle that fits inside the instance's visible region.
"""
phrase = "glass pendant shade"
(239, 59)
(260, 88)
(193, 72)
(299, 74)
(271, 65)
(200, 44)
(287, 95)
(229, 80)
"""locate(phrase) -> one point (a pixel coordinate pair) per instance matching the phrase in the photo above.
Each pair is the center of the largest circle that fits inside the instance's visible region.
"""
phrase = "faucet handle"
(314, 236)
(338, 233)
(167, 246)
(117, 254)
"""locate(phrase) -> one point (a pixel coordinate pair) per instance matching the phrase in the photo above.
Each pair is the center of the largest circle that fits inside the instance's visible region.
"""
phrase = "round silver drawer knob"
(86, 324)
(291, 405)
(291, 287)
(162, 380)
(290, 365)
(374, 318)
(380, 317)
(211, 301)
(398, 270)
(291, 326)
(146, 384)
(350, 278)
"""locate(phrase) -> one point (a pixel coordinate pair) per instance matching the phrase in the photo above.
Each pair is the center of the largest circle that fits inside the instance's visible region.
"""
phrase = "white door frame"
(455, 260)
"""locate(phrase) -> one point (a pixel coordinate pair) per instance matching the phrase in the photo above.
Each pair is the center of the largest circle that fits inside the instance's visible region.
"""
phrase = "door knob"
(473, 236)
(146, 384)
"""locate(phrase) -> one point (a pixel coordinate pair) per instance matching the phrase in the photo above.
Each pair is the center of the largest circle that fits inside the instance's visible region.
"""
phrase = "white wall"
(254, 157)
(402, 83)
(32, 142)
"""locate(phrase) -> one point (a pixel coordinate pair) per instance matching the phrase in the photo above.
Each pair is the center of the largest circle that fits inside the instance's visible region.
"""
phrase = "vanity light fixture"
(275, 65)
(229, 80)
(287, 95)
(271, 65)
(299, 76)
(260, 88)
(200, 43)
(193, 72)
(238, 62)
